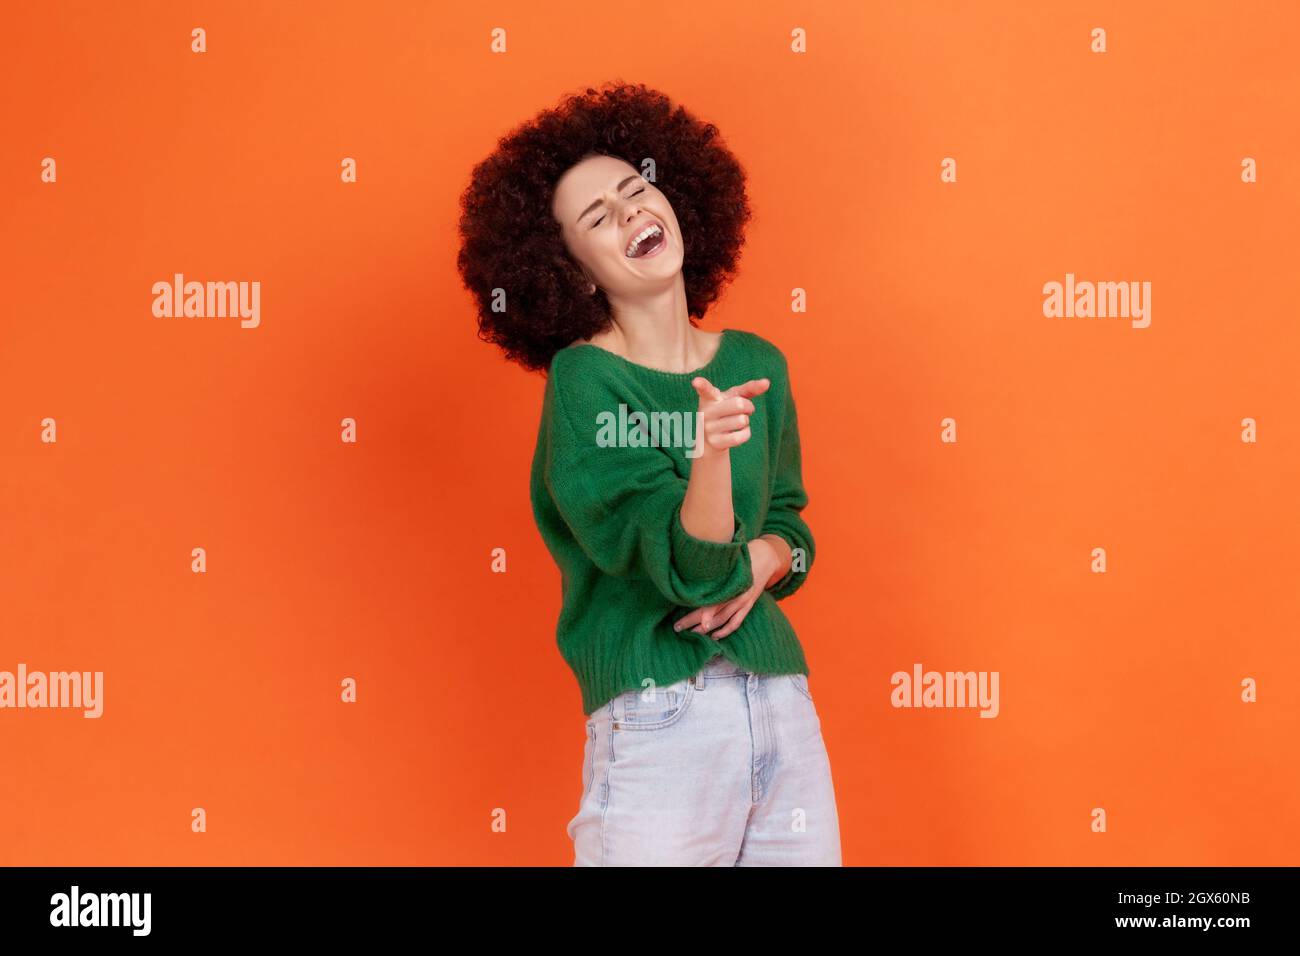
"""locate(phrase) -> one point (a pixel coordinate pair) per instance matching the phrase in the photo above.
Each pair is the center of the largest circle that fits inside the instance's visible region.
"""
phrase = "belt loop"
(698, 681)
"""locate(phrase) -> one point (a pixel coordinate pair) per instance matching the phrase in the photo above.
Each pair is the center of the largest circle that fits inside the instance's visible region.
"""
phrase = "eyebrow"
(596, 204)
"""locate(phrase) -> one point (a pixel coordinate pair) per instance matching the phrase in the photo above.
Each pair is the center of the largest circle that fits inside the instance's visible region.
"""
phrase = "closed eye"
(602, 218)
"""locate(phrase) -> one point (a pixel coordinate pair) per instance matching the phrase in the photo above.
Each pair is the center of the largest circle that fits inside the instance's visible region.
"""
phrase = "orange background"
(1118, 690)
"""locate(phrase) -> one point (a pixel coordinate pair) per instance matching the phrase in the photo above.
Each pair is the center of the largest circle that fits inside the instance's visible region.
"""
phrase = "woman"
(666, 482)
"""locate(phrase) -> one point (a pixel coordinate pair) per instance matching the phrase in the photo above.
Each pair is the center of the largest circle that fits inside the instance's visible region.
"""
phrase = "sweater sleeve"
(623, 505)
(788, 500)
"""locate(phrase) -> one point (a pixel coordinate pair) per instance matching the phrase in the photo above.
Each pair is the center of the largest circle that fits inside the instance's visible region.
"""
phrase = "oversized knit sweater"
(608, 505)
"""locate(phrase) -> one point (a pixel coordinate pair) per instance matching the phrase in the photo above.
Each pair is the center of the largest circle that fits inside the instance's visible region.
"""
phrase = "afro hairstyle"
(511, 242)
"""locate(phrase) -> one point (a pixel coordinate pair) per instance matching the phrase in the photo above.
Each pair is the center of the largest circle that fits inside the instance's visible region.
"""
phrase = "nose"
(631, 206)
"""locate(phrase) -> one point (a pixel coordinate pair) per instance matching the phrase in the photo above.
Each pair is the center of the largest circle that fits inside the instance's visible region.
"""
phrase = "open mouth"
(648, 242)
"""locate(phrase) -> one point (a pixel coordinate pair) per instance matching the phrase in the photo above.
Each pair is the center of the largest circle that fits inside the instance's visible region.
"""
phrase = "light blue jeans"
(726, 768)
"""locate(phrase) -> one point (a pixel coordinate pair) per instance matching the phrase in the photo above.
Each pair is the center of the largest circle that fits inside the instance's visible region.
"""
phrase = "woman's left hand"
(728, 615)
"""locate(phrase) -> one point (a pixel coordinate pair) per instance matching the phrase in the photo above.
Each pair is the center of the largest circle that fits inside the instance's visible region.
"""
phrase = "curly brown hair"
(510, 241)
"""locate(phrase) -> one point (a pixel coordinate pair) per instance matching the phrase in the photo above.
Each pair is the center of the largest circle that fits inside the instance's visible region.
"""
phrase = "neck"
(656, 331)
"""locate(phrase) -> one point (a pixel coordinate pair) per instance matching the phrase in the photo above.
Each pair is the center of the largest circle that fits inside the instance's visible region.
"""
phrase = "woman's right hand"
(724, 416)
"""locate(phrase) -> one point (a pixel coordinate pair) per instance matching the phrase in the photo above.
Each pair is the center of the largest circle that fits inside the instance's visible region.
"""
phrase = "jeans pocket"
(655, 707)
(800, 682)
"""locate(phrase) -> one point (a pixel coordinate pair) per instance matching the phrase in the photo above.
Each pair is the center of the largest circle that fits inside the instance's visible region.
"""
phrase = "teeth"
(650, 230)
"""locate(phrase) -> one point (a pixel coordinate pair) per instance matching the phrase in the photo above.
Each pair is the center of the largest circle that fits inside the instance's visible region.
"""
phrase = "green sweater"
(608, 505)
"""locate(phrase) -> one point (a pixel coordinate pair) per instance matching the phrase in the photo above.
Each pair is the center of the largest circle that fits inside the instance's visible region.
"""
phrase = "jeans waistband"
(720, 666)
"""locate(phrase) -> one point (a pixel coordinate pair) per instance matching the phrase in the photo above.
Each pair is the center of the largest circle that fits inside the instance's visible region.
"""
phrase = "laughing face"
(618, 227)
